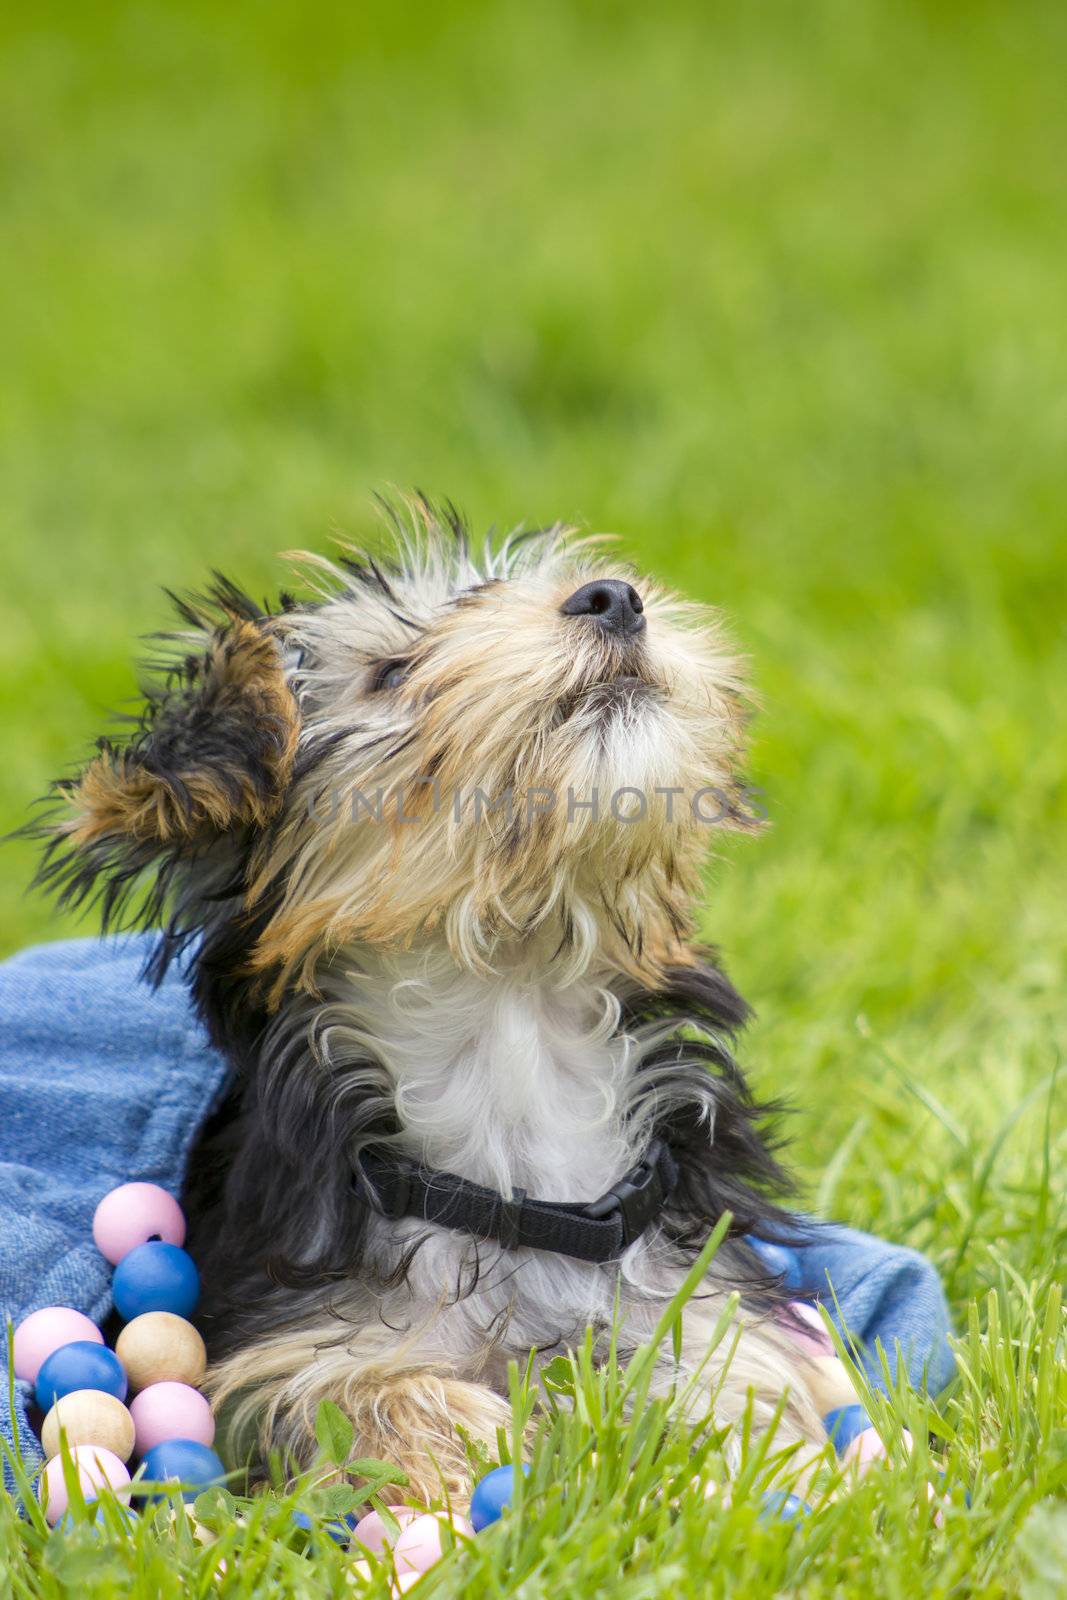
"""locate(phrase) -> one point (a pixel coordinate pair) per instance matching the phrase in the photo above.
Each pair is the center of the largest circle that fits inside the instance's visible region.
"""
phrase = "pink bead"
(817, 1341)
(97, 1468)
(43, 1332)
(131, 1215)
(420, 1543)
(371, 1531)
(868, 1446)
(939, 1515)
(171, 1411)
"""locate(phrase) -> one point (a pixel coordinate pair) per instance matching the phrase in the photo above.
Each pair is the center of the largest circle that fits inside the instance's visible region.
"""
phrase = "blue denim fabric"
(103, 1080)
(876, 1293)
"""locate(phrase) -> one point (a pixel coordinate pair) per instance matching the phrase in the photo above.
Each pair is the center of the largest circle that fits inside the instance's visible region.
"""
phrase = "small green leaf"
(215, 1507)
(334, 1432)
(371, 1467)
(558, 1375)
(336, 1500)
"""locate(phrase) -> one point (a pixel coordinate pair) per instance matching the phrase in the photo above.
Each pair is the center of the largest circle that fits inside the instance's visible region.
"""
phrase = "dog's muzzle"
(594, 1230)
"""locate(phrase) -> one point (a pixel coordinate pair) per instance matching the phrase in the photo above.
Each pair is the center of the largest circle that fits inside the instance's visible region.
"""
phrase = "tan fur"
(409, 1413)
(414, 1413)
(485, 683)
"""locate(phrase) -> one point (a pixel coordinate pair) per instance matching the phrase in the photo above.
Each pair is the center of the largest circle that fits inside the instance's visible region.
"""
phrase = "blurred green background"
(777, 292)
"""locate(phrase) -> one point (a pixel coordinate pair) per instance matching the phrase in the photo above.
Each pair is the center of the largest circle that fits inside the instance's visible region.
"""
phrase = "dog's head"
(526, 747)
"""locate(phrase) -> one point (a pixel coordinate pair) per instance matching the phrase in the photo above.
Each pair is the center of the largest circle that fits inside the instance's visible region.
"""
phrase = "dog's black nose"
(617, 606)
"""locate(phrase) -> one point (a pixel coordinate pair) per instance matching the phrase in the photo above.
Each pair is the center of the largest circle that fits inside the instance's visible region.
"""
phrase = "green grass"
(777, 292)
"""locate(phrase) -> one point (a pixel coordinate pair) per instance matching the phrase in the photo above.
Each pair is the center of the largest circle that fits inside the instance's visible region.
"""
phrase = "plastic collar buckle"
(638, 1196)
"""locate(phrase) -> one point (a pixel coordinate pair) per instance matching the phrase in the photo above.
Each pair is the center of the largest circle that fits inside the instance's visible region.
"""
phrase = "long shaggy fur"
(314, 807)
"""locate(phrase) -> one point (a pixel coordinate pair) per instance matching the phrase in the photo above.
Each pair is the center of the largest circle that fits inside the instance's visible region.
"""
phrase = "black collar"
(594, 1230)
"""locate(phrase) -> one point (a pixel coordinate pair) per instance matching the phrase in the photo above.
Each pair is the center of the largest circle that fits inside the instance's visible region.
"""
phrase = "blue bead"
(942, 1478)
(780, 1261)
(98, 1527)
(191, 1464)
(492, 1496)
(339, 1531)
(155, 1277)
(845, 1423)
(781, 1507)
(81, 1365)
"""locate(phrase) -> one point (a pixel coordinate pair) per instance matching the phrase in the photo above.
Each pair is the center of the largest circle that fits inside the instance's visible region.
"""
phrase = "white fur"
(518, 1083)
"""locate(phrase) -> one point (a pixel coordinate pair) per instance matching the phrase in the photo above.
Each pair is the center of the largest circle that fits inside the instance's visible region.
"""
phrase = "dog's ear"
(213, 752)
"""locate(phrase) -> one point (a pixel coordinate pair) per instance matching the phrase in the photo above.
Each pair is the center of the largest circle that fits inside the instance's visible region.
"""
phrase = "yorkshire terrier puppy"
(427, 846)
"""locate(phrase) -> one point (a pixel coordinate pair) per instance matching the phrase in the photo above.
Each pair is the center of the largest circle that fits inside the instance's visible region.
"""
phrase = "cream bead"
(159, 1347)
(830, 1384)
(89, 1416)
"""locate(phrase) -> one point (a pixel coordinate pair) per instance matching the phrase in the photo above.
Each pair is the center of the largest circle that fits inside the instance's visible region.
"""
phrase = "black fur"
(276, 1160)
(743, 1176)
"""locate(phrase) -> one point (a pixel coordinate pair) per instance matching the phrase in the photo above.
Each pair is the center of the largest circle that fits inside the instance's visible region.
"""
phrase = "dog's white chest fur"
(508, 1084)
(505, 1083)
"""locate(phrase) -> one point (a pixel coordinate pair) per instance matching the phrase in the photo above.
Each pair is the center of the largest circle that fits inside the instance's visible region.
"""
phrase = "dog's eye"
(390, 675)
